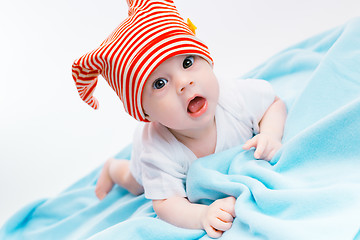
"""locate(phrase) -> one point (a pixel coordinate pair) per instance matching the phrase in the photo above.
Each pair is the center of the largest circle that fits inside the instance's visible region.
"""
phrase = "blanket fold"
(309, 190)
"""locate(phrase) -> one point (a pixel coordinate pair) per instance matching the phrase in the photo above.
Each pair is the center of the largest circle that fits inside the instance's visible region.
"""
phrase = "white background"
(49, 138)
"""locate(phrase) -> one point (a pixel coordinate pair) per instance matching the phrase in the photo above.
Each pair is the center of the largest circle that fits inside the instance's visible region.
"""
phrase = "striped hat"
(153, 32)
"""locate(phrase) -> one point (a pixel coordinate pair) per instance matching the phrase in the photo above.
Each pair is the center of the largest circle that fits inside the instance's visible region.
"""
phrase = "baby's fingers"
(270, 155)
(226, 216)
(220, 225)
(229, 206)
(261, 148)
(250, 143)
(212, 232)
(269, 150)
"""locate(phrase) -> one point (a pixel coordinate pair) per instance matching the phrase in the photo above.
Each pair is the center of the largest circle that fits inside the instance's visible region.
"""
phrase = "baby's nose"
(184, 84)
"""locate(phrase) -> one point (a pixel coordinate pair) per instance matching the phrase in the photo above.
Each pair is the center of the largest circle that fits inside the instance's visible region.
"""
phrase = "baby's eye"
(188, 61)
(159, 83)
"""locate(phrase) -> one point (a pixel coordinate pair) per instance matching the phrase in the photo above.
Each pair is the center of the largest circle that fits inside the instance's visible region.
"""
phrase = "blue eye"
(159, 83)
(188, 61)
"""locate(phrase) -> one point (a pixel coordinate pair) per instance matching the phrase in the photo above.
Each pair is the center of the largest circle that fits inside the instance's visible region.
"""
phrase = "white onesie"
(159, 162)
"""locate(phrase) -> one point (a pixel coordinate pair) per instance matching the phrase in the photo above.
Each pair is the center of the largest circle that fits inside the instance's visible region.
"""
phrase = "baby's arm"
(214, 219)
(268, 141)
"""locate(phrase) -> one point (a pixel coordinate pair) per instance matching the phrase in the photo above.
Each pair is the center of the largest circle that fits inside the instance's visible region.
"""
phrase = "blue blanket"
(310, 189)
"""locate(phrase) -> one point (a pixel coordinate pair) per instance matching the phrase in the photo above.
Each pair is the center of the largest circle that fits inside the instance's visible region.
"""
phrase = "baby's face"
(182, 93)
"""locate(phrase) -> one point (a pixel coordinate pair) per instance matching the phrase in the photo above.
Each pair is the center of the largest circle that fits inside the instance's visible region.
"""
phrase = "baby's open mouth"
(197, 106)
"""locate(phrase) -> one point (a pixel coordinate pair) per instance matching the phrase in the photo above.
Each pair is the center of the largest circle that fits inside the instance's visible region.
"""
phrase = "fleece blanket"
(309, 190)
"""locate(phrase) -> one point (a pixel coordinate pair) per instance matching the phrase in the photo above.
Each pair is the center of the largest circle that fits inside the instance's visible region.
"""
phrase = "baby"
(163, 75)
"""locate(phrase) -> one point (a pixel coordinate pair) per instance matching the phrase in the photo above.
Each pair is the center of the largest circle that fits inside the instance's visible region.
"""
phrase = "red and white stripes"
(153, 32)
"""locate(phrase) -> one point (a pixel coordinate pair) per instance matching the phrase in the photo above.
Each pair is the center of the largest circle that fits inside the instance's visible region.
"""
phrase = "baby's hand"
(266, 146)
(219, 216)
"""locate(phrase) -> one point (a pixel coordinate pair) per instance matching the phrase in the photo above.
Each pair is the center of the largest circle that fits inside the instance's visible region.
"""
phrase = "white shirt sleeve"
(135, 167)
(156, 163)
(159, 181)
